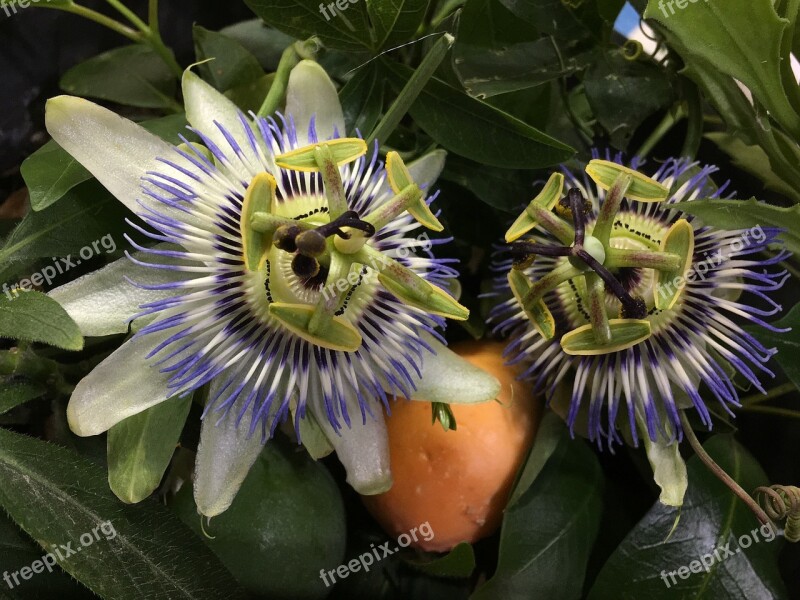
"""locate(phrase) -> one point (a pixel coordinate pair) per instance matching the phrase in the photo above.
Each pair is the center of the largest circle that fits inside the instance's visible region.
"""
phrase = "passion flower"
(290, 276)
(634, 301)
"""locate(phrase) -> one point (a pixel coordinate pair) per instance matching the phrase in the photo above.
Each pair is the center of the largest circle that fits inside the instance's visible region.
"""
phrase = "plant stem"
(130, 15)
(152, 15)
(720, 473)
(101, 19)
(694, 133)
(582, 128)
(157, 44)
(277, 91)
(144, 35)
(773, 410)
(673, 116)
(411, 90)
(775, 392)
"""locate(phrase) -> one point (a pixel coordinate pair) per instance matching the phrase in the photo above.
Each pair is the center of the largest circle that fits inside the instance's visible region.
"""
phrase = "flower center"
(318, 296)
(588, 265)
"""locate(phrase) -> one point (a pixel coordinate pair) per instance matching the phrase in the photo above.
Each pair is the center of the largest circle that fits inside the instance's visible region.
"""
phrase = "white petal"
(311, 93)
(123, 385)
(102, 302)
(426, 169)
(363, 449)
(448, 378)
(118, 152)
(205, 105)
(224, 458)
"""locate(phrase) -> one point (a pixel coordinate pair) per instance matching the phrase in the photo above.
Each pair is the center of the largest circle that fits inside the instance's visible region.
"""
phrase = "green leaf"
(548, 436)
(17, 550)
(51, 172)
(286, 523)
(60, 498)
(265, 43)
(744, 43)
(140, 448)
(459, 562)
(351, 25)
(787, 343)
(496, 53)
(250, 96)
(711, 518)
(86, 214)
(231, 66)
(35, 317)
(362, 100)
(301, 19)
(131, 75)
(746, 214)
(724, 93)
(395, 21)
(566, 20)
(623, 93)
(14, 393)
(476, 130)
(548, 534)
(754, 160)
(506, 190)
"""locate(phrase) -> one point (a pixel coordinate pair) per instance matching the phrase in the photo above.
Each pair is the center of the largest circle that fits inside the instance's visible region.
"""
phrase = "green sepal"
(644, 189)
(546, 199)
(140, 448)
(310, 433)
(537, 312)
(258, 198)
(444, 414)
(678, 240)
(625, 333)
(338, 333)
(344, 150)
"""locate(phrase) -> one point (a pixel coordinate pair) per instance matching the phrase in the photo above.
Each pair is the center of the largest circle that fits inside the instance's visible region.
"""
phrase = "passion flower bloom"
(291, 276)
(633, 302)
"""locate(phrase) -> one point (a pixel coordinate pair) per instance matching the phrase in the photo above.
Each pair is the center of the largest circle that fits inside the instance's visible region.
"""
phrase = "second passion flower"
(636, 300)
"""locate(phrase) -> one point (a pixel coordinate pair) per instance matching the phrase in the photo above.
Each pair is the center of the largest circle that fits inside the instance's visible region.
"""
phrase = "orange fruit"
(457, 482)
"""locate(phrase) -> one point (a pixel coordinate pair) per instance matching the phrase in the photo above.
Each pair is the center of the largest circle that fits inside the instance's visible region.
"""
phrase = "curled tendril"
(782, 502)
(632, 50)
